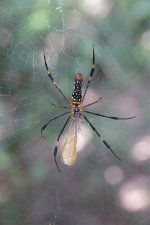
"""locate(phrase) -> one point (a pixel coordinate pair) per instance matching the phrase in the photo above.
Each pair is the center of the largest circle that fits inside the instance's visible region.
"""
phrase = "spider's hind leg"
(56, 147)
(99, 135)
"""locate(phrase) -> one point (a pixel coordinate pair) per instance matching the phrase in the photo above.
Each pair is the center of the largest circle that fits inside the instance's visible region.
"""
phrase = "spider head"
(78, 77)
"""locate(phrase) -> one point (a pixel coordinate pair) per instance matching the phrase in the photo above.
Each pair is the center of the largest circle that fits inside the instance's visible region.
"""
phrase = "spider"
(77, 111)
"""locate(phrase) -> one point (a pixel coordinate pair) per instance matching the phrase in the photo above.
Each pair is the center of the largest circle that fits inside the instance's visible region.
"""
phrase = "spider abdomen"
(76, 95)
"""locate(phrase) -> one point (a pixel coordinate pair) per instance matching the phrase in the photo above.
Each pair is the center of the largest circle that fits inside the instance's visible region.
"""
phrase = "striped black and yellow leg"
(99, 135)
(56, 147)
(110, 117)
(46, 124)
(52, 79)
(91, 74)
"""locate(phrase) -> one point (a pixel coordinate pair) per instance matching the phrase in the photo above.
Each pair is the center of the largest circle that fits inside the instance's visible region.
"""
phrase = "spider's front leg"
(91, 74)
(52, 79)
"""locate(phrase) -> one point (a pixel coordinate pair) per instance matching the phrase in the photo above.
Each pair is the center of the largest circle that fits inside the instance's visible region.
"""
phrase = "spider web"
(99, 189)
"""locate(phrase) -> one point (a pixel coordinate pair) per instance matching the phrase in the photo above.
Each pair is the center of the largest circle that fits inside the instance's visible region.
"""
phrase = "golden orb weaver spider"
(76, 111)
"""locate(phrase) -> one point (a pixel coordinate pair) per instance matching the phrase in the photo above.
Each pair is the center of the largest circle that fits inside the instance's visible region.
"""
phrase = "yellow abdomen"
(69, 152)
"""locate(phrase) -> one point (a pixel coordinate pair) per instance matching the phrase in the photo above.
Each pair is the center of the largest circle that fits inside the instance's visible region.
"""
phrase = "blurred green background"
(99, 189)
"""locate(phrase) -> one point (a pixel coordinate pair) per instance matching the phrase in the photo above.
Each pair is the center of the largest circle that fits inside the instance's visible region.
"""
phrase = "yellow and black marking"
(52, 79)
(91, 74)
(76, 98)
(101, 138)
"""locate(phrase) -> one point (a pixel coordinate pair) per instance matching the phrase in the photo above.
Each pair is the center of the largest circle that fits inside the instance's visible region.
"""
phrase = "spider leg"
(111, 117)
(56, 147)
(46, 124)
(91, 74)
(93, 102)
(99, 135)
(52, 79)
(58, 106)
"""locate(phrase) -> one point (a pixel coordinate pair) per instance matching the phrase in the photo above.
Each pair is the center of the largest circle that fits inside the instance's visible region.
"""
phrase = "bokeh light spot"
(145, 40)
(134, 197)
(39, 20)
(141, 150)
(113, 174)
(94, 7)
